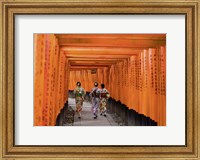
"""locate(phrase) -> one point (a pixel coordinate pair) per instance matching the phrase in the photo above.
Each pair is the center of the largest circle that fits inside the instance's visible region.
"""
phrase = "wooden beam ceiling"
(103, 50)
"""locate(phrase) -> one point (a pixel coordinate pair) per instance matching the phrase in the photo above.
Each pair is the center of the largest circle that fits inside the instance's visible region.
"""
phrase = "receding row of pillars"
(124, 115)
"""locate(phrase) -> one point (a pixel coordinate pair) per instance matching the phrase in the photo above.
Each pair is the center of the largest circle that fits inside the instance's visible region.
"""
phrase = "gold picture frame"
(10, 8)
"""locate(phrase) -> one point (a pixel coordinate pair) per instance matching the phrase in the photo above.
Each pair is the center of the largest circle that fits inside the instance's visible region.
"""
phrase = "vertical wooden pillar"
(39, 50)
(49, 86)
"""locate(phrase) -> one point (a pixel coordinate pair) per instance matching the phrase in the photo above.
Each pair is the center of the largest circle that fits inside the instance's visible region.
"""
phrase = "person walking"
(79, 93)
(94, 94)
(104, 96)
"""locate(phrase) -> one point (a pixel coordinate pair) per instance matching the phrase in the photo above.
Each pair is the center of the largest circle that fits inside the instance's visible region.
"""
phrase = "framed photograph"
(99, 79)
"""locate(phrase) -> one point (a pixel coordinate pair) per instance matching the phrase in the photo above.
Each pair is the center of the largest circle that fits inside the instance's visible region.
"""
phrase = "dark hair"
(95, 84)
(103, 85)
(78, 84)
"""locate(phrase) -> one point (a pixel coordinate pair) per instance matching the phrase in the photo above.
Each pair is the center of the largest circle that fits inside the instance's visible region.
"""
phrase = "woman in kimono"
(79, 98)
(104, 96)
(94, 94)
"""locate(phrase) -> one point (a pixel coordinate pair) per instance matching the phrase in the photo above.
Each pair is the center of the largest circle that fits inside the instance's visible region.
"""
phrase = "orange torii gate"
(135, 77)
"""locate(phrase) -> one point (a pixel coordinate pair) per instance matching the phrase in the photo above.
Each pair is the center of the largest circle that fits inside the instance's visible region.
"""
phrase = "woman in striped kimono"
(94, 94)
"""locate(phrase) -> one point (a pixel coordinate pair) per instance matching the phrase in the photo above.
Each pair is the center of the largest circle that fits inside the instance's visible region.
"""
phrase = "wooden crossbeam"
(139, 43)
(92, 56)
(114, 36)
(95, 63)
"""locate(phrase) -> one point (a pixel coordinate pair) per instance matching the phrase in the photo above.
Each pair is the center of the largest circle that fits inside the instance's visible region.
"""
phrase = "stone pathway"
(87, 116)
